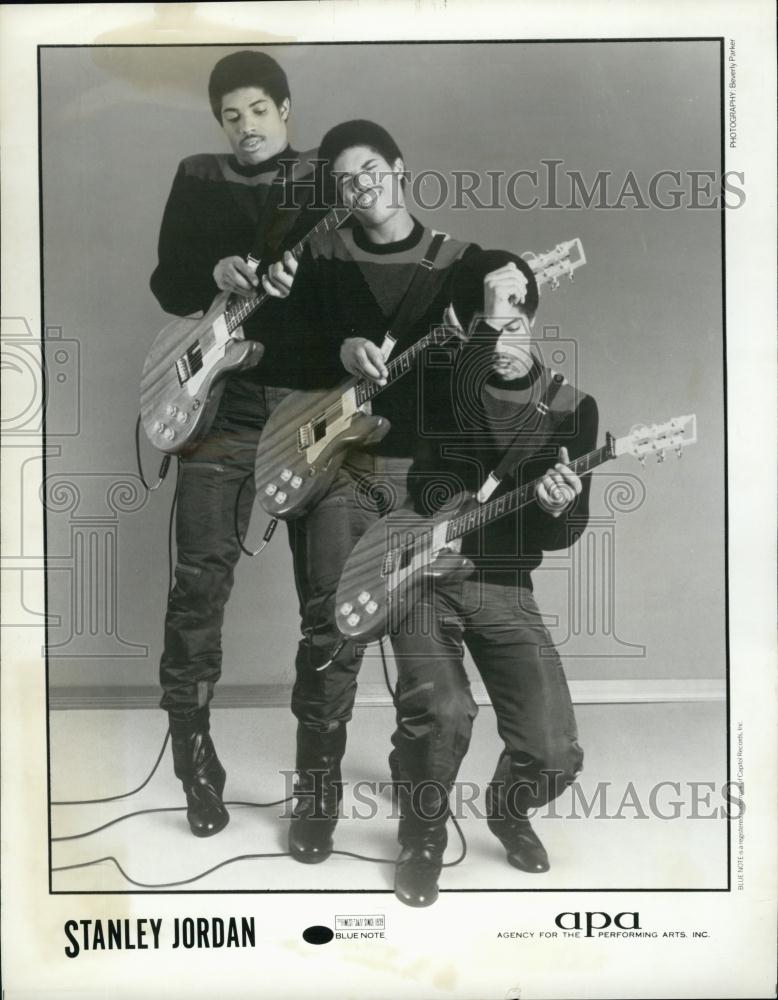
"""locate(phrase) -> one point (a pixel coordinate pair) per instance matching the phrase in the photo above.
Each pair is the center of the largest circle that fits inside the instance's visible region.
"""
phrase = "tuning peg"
(642, 460)
(679, 451)
(660, 456)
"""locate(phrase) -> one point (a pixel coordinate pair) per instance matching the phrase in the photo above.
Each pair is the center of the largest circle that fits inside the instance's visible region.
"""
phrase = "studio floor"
(629, 840)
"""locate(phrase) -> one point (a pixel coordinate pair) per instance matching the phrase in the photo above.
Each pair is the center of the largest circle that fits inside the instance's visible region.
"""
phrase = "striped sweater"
(213, 212)
(473, 419)
(348, 287)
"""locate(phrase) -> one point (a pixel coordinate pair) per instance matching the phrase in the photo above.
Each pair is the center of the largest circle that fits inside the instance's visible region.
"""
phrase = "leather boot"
(509, 823)
(201, 774)
(422, 834)
(318, 791)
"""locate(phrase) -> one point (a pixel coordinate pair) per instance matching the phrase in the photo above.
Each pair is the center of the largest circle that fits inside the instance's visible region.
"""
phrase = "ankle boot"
(523, 847)
(318, 791)
(423, 842)
(201, 774)
(509, 823)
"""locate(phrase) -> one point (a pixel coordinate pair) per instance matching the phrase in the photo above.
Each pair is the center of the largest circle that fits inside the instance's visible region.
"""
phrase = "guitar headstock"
(564, 259)
(657, 439)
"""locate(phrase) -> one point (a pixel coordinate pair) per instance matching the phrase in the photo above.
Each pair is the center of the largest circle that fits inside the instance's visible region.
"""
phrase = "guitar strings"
(364, 384)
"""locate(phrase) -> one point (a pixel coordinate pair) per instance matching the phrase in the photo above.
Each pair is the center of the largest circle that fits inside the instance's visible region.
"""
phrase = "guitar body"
(388, 570)
(183, 377)
(303, 446)
(397, 556)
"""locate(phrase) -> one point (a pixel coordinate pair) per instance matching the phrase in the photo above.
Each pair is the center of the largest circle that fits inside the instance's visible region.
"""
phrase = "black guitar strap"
(548, 421)
(275, 194)
(412, 295)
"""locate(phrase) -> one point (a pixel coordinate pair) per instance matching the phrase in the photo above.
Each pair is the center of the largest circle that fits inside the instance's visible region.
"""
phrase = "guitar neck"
(522, 495)
(546, 270)
(366, 388)
(238, 313)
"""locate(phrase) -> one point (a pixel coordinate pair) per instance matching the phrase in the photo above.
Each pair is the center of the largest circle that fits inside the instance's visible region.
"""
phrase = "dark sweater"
(212, 212)
(348, 287)
(474, 420)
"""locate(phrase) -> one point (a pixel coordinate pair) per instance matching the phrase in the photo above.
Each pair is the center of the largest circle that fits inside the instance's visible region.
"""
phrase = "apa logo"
(574, 918)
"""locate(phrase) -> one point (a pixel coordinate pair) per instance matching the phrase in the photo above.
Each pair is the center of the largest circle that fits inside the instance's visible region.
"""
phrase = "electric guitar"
(184, 371)
(307, 436)
(390, 565)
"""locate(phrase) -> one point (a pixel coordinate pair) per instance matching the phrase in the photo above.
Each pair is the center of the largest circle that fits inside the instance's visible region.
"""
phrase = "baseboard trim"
(374, 694)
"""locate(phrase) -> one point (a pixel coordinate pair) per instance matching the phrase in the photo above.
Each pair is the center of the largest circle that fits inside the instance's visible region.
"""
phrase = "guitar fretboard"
(240, 311)
(366, 389)
(545, 268)
(521, 496)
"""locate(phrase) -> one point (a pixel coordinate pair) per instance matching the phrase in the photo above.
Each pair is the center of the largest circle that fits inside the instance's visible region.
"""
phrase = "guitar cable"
(271, 527)
(164, 465)
(163, 470)
(228, 861)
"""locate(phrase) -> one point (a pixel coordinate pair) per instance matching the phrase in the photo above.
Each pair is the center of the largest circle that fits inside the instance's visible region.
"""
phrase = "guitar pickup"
(390, 561)
(182, 370)
(189, 363)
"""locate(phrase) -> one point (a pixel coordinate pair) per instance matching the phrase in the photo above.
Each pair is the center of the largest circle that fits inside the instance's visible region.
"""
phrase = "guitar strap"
(412, 295)
(549, 420)
(275, 194)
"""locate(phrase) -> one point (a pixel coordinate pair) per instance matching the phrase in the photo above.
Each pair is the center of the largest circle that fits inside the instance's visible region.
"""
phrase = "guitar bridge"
(311, 433)
(189, 363)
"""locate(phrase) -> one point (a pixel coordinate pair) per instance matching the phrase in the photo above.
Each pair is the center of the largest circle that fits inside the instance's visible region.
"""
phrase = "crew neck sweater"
(213, 211)
(476, 421)
(346, 286)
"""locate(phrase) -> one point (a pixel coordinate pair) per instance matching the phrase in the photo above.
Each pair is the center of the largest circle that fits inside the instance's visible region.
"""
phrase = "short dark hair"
(246, 69)
(358, 132)
(468, 283)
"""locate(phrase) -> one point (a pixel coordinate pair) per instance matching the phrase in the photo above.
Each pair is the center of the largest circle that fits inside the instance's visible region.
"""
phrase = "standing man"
(217, 213)
(348, 290)
(498, 398)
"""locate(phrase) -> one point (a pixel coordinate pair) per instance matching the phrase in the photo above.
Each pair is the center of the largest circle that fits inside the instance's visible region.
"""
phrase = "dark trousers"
(503, 630)
(367, 487)
(214, 477)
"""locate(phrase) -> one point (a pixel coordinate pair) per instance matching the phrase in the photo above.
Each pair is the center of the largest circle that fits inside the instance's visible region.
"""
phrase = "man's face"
(364, 175)
(512, 357)
(254, 124)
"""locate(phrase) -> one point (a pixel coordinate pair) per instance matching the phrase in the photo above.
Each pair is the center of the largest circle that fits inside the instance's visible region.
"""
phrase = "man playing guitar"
(219, 209)
(350, 287)
(497, 398)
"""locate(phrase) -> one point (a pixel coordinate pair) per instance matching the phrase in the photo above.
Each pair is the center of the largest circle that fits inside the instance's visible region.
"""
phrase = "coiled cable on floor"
(229, 861)
(115, 798)
(241, 857)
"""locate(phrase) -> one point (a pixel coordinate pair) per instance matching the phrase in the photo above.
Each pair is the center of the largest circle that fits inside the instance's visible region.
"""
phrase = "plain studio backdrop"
(643, 600)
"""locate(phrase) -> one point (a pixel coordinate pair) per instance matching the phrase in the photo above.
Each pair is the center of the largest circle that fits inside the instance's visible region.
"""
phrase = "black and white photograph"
(376, 504)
